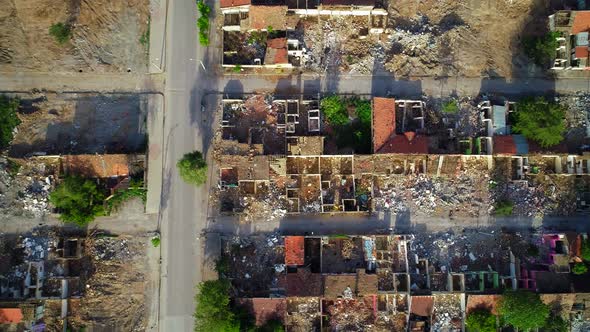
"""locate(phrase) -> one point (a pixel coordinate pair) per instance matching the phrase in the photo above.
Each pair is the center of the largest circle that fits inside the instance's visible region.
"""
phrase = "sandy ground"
(105, 35)
(80, 123)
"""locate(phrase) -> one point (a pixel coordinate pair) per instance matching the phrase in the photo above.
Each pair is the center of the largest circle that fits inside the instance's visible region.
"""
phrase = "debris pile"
(351, 315)
(447, 315)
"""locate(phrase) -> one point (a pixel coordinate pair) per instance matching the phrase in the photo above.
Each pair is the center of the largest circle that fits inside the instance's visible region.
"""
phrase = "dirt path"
(81, 82)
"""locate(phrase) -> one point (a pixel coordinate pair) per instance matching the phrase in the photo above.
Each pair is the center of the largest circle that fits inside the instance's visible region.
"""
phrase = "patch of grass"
(61, 32)
(503, 208)
(338, 236)
(579, 269)
(136, 189)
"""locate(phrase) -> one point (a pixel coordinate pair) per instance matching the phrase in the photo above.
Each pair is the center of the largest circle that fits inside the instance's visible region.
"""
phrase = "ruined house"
(573, 27)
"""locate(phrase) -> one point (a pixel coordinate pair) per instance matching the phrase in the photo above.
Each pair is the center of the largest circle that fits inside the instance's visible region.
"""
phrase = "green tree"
(193, 168)
(540, 120)
(363, 111)
(579, 268)
(481, 320)
(523, 310)
(8, 119)
(78, 200)
(212, 312)
(541, 49)
(334, 108)
(61, 32)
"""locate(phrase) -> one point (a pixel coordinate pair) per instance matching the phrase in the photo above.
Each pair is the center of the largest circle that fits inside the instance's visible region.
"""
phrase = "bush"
(556, 323)
(503, 209)
(450, 107)
(212, 312)
(335, 111)
(78, 200)
(61, 32)
(540, 120)
(156, 241)
(541, 49)
(363, 111)
(193, 168)
(523, 310)
(237, 68)
(8, 120)
(580, 268)
(203, 22)
(481, 320)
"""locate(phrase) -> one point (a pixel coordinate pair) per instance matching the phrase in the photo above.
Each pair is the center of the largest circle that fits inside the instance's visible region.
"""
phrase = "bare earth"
(105, 35)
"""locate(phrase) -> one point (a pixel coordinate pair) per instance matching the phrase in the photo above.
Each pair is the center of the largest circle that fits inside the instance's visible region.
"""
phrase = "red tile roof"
(294, 250)
(422, 305)
(264, 309)
(276, 51)
(11, 315)
(261, 17)
(504, 145)
(406, 144)
(383, 121)
(581, 22)
(581, 52)
(233, 3)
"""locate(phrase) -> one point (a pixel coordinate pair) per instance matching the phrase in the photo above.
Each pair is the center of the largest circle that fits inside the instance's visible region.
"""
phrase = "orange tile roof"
(422, 305)
(581, 52)
(383, 121)
(294, 250)
(261, 17)
(233, 3)
(504, 145)
(489, 302)
(96, 166)
(581, 22)
(410, 143)
(11, 315)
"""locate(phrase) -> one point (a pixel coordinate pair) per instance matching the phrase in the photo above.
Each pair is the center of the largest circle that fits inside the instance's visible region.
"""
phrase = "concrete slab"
(155, 125)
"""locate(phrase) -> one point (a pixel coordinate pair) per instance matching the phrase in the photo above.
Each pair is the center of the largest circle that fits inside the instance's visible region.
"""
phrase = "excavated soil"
(105, 35)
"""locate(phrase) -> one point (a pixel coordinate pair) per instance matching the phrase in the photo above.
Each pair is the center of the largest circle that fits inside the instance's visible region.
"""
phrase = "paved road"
(90, 82)
(415, 87)
(183, 209)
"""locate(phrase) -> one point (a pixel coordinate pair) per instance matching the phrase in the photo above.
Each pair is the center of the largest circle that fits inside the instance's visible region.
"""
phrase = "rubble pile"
(447, 314)
(350, 315)
(109, 249)
(577, 110)
(26, 191)
(270, 208)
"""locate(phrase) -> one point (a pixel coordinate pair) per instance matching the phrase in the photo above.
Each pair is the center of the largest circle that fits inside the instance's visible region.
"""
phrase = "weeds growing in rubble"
(8, 119)
(504, 208)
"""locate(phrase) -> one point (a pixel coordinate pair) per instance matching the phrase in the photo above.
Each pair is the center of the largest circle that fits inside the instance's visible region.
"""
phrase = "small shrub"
(61, 32)
(13, 167)
(203, 23)
(580, 268)
(156, 241)
(586, 250)
(450, 107)
(193, 168)
(504, 208)
(145, 38)
(8, 119)
(363, 111)
(237, 68)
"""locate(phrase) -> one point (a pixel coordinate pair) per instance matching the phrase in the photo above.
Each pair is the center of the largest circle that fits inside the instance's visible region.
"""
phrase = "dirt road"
(81, 82)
